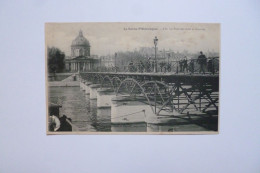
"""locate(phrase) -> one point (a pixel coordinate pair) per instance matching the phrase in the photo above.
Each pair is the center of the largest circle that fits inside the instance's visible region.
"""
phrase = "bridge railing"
(191, 66)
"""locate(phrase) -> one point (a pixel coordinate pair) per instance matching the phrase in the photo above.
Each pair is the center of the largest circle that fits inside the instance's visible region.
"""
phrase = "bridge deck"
(169, 77)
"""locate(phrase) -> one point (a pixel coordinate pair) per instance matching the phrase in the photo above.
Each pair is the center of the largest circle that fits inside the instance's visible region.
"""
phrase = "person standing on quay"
(202, 61)
(54, 123)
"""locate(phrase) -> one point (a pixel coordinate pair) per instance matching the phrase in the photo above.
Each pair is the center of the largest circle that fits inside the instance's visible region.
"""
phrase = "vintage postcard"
(132, 78)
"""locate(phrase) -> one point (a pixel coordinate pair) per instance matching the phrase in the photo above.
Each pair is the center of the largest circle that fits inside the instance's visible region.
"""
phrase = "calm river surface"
(86, 117)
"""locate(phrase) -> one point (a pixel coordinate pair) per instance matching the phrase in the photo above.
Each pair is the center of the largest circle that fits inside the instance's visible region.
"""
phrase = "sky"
(108, 38)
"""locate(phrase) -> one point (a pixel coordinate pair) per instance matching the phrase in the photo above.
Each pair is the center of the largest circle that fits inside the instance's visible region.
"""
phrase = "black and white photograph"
(147, 78)
(129, 86)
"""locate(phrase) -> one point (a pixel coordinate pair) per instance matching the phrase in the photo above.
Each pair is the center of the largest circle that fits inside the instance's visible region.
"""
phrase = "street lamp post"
(155, 40)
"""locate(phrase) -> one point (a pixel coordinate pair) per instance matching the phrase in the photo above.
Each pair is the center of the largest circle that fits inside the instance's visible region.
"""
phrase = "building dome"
(80, 40)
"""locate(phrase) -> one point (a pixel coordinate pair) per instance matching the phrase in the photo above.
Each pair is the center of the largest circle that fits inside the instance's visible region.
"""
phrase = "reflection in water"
(87, 117)
(74, 106)
(92, 112)
(104, 119)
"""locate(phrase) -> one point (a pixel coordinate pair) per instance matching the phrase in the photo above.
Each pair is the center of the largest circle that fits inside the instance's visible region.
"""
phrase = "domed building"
(80, 46)
(80, 59)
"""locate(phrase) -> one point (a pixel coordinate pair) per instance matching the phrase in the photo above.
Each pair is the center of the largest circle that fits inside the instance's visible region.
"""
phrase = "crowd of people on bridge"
(185, 65)
(201, 65)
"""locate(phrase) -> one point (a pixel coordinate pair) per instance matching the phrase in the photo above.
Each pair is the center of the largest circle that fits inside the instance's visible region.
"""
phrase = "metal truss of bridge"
(167, 95)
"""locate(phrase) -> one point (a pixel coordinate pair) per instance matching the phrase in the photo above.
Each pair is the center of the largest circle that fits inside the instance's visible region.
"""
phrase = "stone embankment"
(70, 81)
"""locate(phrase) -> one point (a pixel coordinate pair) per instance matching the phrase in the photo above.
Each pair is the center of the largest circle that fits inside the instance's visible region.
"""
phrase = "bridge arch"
(156, 87)
(136, 84)
(97, 77)
(110, 81)
(116, 82)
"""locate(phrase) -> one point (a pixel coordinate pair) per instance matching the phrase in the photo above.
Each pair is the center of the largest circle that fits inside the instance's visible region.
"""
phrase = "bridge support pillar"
(82, 85)
(93, 90)
(86, 87)
(104, 96)
(126, 111)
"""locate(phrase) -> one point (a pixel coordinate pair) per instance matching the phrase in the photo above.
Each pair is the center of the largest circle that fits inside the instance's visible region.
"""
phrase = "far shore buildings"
(107, 61)
(81, 59)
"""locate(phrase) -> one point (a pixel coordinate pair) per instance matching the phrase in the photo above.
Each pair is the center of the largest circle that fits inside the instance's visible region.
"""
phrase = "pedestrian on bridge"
(191, 66)
(148, 65)
(210, 66)
(185, 64)
(181, 65)
(202, 61)
(141, 67)
(169, 67)
(131, 66)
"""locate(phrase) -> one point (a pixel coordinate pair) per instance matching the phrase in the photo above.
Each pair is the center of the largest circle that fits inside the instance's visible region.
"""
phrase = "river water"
(87, 117)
